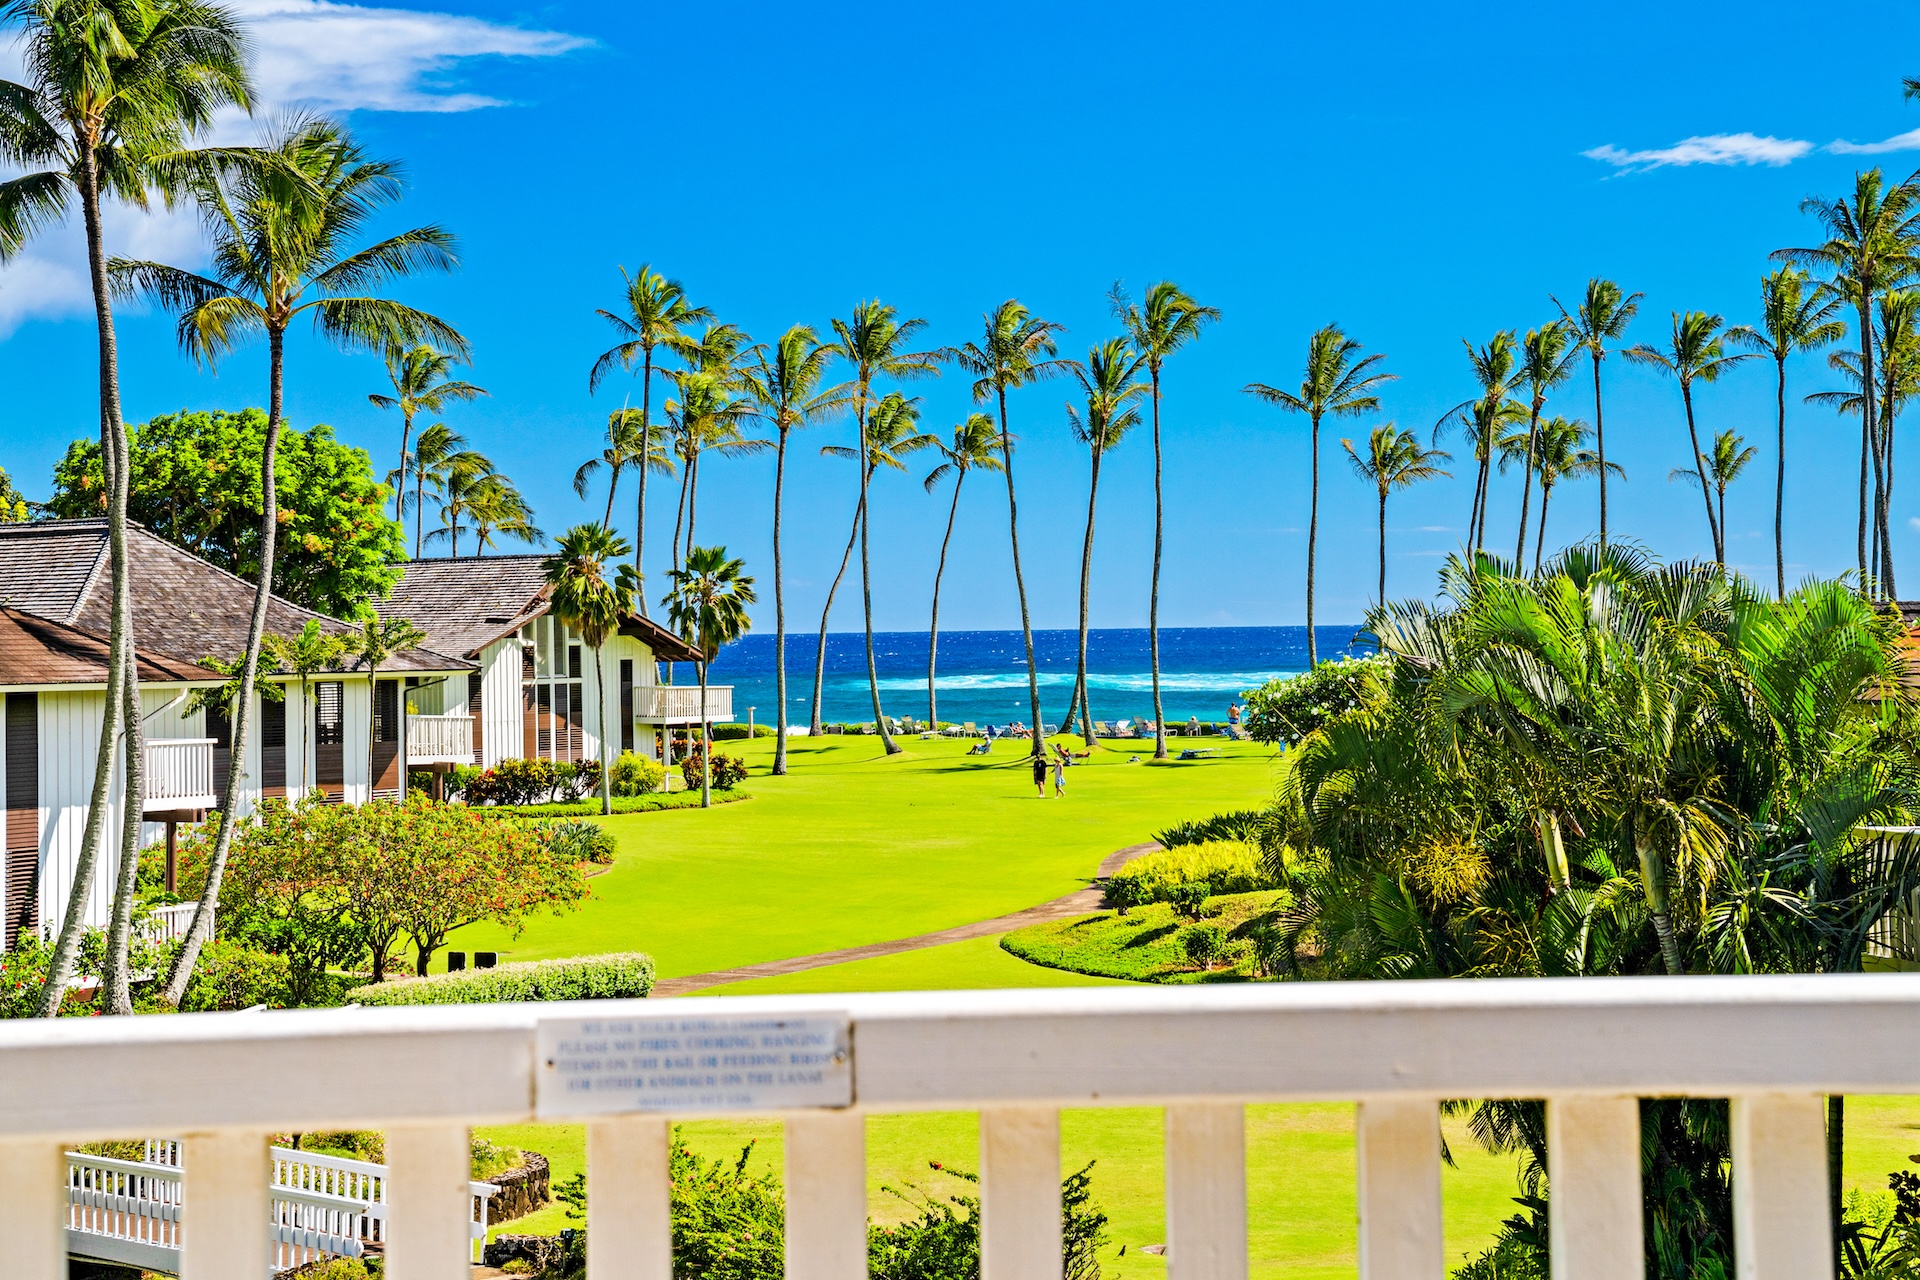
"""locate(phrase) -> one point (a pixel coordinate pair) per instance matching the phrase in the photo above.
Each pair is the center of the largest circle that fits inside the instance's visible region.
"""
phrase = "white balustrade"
(170, 923)
(1774, 1045)
(444, 739)
(680, 703)
(177, 773)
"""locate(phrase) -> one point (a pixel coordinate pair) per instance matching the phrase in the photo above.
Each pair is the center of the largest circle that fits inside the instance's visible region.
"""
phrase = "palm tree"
(706, 418)
(460, 479)
(784, 386)
(1166, 320)
(1108, 379)
(496, 506)
(1486, 419)
(1563, 456)
(1602, 318)
(873, 340)
(975, 444)
(1792, 318)
(1899, 345)
(626, 445)
(656, 310)
(439, 454)
(1722, 467)
(1393, 460)
(1546, 361)
(587, 602)
(112, 93)
(1694, 353)
(708, 606)
(1872, 244)
(309, 652)
(1337, 381)
(376, 639)
(421, 380)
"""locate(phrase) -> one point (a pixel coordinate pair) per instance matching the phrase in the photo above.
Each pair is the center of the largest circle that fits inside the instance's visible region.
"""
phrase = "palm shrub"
(581, 841)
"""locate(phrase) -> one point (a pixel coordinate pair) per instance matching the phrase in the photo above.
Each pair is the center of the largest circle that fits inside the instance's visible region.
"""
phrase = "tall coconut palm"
(1694, 353)
(874, 341)
(496, 506)
(283, 230)
(707, 417)
(1562, 455)
(1546, 361)
(587, 600)
(1486, 419)
(1340, 382)
(438, 455)
(1602, 317)
(1899, 344)
(708, 606)
(1166, 320)
(1109, 382)
(112, 93)
(976, 443)
(1793, 317)
(1714, 472)
(628, 444)
(655, 312)
(1393, 460)
(422, 380)
(784, 386)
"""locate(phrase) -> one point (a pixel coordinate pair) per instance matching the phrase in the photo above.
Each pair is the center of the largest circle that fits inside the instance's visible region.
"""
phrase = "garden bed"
(590, 807)
(1148, 943)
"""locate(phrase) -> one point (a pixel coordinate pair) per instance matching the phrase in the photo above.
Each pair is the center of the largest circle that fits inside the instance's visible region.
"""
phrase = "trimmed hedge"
(735, 732)
(1223, 866)
(620, 976)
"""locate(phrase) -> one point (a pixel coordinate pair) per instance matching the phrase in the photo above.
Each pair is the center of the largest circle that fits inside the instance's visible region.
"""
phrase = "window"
(330, 722)
(386, 711)
(573, 662)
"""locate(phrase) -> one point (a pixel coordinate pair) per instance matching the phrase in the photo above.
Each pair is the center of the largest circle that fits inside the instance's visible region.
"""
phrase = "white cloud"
(1715, 148)
(1908, 141)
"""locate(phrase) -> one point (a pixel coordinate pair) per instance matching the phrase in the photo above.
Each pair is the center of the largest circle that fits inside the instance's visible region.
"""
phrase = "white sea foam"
(1132, 682)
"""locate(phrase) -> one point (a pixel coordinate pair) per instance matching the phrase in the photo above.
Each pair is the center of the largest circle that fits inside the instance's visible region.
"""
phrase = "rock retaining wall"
(521, 1190)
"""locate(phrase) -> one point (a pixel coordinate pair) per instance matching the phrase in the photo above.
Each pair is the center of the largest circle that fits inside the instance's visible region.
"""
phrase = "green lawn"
(851, 848)
(975, 963)
(1148, 943)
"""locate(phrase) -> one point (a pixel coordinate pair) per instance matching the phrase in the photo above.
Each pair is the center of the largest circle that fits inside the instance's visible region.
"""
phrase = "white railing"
(178, 774)
(681, 702)
(1590, 1047)
(170, 923)
(440, 739)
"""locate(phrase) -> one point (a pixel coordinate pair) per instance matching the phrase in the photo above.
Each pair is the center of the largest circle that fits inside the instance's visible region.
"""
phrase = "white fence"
(178, 774)
(1590, 1047)
(444, 739)
(680, 703)
(170, 923)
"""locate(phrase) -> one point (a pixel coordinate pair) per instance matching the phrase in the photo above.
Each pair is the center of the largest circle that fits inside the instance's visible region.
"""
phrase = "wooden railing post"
(33, 1209)
(429, 1204)
(1593, 1166)
(827, 1196)
(629, 1229)
(1781, 1226)
(225, 1208)
(1400, 1216)
(1207, 1191)
(1020, 1194)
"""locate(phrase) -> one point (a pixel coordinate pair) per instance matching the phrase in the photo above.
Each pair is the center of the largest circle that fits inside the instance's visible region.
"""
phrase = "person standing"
(1060, 769)
(1040, 776)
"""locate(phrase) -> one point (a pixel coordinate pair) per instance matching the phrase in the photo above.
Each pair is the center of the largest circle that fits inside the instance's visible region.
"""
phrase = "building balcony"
(178, 775)
(439, 739)
(680, 703)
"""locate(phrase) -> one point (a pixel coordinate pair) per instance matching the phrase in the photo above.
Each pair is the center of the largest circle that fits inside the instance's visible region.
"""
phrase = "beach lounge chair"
(1101, 729)
(1199, 753)
(969, 730)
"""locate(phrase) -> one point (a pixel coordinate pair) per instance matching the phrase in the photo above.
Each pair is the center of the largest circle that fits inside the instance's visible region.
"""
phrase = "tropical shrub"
(942, 1241)
(728, 771)
(736, 732)
(1288, 709)
(581, 841)
(1226, 866)
(634, 774)
(237, 975)
(459, 778)
(1189, 899)
(1247, 825)
(1203, 944)
(525, 781)
(618, 976)
(575, 778)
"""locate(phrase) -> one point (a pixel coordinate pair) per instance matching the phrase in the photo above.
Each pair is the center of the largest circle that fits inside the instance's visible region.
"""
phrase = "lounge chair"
(969, 730)
(1101, 729)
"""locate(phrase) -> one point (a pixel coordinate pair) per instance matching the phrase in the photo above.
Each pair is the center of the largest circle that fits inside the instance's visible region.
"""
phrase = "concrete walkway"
(1078, 903)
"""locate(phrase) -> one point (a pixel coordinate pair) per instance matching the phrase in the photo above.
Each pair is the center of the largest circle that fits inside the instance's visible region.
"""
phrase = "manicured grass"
(852, 848)
(1145, 945)
(975, 963)
(649, 803)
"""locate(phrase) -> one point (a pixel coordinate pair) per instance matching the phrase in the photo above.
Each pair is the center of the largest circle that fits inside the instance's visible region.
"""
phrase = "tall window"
(552, 677)
(330, 721)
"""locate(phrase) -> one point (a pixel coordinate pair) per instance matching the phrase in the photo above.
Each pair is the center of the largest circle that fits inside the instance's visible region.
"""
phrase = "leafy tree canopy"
(13, 504)
(196, 483)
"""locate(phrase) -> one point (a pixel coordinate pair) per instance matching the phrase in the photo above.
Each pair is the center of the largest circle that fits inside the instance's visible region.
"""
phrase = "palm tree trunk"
(887, 744)
(1836, 1168)
(1020, 582)
(779, 612)
(693, 496)
(1540, 540)
(400, 494)
(680, 508)
(1876, 536)
(646, 462)
(1653, 878)
(1867, 406)
(1086, 569)
(1526, 487)
(1779, 483)
(1153, 599)
(613, 485)
(419, 508)
(1700, 466)
(1486, 482)
(1381, 598)
(706, 742)
(933, 623)
(1313, 537)
(820, 651)
(1861, 533)
(1723, 522)
(1600, 445)
(118, 979)
(600, 714)
(1886, 499)
(202, 926)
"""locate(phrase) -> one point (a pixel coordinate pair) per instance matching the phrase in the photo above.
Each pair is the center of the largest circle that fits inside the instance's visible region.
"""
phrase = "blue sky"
(1417, 173)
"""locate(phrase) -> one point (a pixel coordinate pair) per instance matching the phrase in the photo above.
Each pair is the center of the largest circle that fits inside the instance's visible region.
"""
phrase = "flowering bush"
(728, 771)
(1289, 709)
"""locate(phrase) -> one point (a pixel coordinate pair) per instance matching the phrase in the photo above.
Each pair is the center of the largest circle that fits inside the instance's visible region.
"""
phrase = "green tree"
(1563, 456)
(1715, 471)
(1486, 419)
(1602, 317)
(1166, 320)
(1015, 349)
(1793, 318)
(1394, 460)
(627, 444)
(655, 313)
(1339, 381)
(1546, 361)
(195, 480)
(708, 606)
(497, 507)
(14, 508)
(1694, 353)
(976, 443)
(114, 90)
(707, 417)
(422, 380)
(784, 385)
(873, 340)
(591, 604)
(308, 652)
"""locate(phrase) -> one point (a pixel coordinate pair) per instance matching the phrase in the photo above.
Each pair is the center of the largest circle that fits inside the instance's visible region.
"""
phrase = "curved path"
(1078, 903)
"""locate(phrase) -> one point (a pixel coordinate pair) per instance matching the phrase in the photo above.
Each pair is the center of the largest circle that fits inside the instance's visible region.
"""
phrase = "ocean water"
(982, 674)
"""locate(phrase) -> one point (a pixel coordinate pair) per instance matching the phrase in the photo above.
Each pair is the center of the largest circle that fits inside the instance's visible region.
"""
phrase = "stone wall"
(521, 1190)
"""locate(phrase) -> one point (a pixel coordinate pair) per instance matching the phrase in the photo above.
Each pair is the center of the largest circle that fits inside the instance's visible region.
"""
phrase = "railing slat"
(1400, 1215)
(1020, 1193)
(225, 1207)
(1781, 1227)
(827, 1196)
(1593, 1166)
(1206, 1191)
(33, 1209)
(429, 1204)
(629, 1234)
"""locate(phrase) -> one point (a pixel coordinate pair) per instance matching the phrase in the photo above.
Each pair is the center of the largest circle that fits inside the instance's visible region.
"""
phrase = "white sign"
(597, 1066)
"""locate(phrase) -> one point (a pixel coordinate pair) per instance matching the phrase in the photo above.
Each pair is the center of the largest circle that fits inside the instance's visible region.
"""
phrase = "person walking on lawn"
(1059, 769)
(1040, 774)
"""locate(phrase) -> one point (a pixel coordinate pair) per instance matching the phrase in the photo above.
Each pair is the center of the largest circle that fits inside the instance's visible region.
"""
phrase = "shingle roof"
(465, 605)
(39, 651)
(183, 608)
